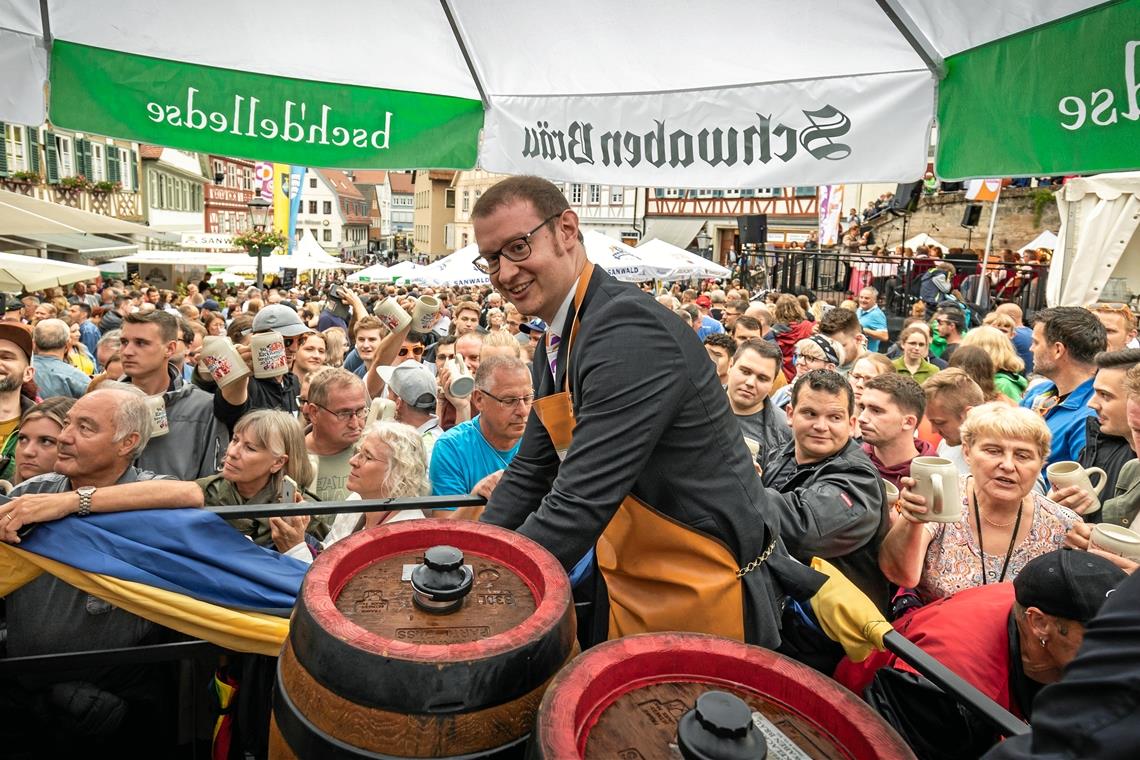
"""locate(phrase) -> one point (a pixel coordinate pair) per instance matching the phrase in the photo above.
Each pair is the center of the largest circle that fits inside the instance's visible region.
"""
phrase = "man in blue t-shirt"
(1065, 341)
(872, 318)
(471, 457)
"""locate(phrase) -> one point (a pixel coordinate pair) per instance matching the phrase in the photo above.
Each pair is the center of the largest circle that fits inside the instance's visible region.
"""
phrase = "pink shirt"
(953, 562)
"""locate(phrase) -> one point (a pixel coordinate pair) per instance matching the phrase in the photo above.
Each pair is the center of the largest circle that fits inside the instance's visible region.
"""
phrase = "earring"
(1042, 643)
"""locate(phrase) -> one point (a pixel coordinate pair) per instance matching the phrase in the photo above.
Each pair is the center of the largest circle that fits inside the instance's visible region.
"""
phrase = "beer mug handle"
(936, 482)
(1099, 485)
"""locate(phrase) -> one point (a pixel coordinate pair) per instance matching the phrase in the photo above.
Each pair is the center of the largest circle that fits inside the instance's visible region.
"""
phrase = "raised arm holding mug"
(625, 396)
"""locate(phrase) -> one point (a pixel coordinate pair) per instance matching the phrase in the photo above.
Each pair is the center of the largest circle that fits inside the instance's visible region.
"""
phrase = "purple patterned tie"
(552, 342)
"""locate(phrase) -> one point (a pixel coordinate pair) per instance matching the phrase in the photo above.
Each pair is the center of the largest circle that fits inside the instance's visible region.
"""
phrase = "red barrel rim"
(538, 568)
(582, 691)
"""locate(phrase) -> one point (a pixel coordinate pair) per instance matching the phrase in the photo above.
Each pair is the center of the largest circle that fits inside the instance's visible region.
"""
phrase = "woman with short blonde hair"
(1004, 522)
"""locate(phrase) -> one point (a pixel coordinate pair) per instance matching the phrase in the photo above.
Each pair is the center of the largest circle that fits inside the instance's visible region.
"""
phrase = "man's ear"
(127, 443)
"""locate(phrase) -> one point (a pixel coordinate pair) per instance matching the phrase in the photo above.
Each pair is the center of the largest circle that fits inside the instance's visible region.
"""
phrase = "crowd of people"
(824, 406)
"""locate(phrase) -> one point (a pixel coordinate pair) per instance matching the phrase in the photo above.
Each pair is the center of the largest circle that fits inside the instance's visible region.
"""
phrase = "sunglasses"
(415, 351)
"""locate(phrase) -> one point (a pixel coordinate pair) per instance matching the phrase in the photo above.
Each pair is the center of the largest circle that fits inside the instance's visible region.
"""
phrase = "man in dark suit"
(636, 390)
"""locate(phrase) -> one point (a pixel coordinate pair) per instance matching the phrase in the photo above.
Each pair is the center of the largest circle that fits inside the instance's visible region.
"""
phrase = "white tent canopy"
(623, 262)
(1098, 240)
(688, 263)
(26, 273)
(923, 239)
(374, 273)
(407, 268)
(457, 270)
(859, 112)
(1047, 239)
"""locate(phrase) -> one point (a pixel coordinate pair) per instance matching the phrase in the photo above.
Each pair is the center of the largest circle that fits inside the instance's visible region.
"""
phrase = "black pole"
(954, 685)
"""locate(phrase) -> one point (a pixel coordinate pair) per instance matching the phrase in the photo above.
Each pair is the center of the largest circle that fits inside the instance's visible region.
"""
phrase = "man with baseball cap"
(249, 392)
(414, 388)
(1021, 636)
(707, 325)
(15, 371)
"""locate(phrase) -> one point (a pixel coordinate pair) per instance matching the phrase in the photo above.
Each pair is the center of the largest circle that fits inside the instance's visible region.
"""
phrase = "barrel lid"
(361, 589)
(635, 697)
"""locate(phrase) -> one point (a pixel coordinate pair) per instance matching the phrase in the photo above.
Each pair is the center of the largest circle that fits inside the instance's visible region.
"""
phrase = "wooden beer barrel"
(627, 700)
(425, 638)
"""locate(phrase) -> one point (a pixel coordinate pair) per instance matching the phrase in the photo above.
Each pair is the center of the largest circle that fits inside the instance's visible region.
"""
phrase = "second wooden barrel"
(425, 638)
(670, 696)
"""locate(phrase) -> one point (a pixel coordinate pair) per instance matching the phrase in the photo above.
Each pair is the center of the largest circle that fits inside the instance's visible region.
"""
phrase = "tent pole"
(989, 243)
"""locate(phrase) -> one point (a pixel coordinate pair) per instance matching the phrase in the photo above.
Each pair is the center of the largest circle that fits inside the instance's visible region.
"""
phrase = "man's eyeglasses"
(516, 250)
(524, 400)
(798, 357)
(414, 351)
(347, 414)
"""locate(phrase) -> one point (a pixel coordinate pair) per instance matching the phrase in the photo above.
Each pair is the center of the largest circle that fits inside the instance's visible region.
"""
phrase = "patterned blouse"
(953, 561)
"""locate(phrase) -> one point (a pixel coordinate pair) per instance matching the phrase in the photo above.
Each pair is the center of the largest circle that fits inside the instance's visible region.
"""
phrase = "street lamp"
(703, 241)
(259, 211)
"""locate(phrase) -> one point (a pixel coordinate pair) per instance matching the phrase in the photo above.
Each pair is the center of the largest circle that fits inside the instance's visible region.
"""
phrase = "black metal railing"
(838, 275)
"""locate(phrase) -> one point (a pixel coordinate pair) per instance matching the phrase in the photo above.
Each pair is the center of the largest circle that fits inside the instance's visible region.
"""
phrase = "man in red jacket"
(1006, 639)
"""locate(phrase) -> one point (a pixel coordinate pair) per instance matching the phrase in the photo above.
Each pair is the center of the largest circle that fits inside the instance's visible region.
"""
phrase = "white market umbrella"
(27, 273)
(374, 273)
(1047, 239)
(406, 268)
(596, 105)
(923, 239)
(688, 263)
(456, 270)
(623, 262)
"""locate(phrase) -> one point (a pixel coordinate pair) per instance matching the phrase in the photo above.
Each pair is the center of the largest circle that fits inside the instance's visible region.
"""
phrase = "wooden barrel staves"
(670, 696)
(425, 638)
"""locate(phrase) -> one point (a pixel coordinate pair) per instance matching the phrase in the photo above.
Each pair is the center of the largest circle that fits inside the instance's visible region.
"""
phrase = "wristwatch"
(85, 494)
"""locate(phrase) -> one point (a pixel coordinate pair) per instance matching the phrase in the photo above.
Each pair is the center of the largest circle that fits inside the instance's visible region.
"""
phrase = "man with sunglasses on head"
(249, 393)
(337, 406)
(626, 394)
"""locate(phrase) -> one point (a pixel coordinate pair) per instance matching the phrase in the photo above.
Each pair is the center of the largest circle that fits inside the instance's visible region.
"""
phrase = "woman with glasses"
(265, 463)
(390, 462)
(816, 352)
(915, 344)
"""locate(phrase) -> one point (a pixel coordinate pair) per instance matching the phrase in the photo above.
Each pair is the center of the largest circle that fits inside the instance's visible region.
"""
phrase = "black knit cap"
(1067, 583)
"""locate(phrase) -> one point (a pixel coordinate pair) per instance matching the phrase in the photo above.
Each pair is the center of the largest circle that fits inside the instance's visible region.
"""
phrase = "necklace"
(990, 522)
(981, 548)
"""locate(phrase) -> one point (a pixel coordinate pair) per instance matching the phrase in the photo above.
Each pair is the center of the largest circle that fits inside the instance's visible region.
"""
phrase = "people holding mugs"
(1003, 522)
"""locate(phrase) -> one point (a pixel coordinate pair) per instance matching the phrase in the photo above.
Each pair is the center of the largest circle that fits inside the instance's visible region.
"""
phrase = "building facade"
(173, 189)
(228, 195)
(468, 187)
(612, 210)
(434, 210)
(335, 211)
(402, 219)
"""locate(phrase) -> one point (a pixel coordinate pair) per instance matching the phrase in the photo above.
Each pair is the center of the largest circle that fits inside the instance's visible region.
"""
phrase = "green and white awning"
(670, 93)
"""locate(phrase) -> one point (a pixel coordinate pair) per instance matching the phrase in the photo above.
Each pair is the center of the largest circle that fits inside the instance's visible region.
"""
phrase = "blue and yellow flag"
(186, 569)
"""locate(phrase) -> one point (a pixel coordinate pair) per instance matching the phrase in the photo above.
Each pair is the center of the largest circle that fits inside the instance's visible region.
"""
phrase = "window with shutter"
(134, 171)
(98, 161)
(52, 156)
(34, 149)
(3, 150)
(113, 173)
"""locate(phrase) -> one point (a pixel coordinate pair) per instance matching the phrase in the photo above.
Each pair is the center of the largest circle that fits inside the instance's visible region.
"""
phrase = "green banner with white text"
(1060, 99)
(238, 113)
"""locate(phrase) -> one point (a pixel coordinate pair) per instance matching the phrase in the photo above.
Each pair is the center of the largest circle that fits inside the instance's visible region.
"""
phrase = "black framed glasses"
(516, 250)
(512, 401)
(345, 415)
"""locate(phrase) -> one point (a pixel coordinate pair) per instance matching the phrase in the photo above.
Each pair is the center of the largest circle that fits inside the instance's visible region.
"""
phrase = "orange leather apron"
(660, 575)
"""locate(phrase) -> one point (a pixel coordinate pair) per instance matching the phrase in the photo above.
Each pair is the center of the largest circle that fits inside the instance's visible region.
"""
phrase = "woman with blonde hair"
(1003, 522)
(390, 463)
(1008, 366)
(267, 446)
(1001, 321)
(336, 346)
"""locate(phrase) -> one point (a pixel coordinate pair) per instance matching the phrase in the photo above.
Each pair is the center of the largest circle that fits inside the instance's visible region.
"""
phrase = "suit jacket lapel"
(568, 327)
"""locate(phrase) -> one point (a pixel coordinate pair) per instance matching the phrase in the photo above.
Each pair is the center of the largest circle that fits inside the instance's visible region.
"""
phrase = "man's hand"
(245, 353)
(911, 505)
(34, 508)
(1075, 498)
(287, 532)
(350, 295)
(486, 486)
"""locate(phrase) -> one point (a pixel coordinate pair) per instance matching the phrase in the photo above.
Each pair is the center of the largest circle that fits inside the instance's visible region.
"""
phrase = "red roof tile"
(369, 176)
(401, 182)
(340, 183)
